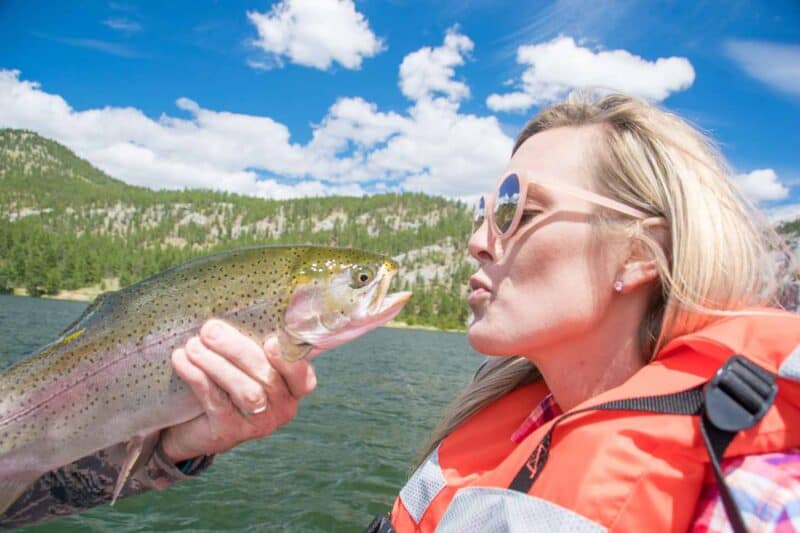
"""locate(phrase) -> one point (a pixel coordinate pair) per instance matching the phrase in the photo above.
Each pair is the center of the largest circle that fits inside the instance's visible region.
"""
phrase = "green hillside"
(35, 171)
(65, 225)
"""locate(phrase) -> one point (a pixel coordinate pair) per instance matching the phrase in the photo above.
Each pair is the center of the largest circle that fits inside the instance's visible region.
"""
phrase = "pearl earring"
(618, 286)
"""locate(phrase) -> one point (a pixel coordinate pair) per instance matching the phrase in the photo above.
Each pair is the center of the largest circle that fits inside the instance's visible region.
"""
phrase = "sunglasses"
(506, 206)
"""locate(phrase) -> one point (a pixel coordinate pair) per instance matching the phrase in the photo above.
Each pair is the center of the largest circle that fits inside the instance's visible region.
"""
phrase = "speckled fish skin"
(109, 377)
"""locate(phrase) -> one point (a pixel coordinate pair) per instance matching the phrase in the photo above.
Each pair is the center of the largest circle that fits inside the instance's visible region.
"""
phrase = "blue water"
(341, 461)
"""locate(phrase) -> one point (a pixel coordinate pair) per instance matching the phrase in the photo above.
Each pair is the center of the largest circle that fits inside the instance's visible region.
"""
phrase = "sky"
(318, 97)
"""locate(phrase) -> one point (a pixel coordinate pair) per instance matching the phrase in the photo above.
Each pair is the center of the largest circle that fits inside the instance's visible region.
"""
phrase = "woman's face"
(552, 280)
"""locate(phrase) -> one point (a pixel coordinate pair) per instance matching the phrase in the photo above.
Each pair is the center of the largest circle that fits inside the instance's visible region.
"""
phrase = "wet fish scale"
(110, 376)
(150, 320)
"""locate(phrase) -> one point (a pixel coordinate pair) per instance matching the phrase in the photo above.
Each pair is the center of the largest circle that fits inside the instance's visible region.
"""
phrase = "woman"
(616, 261)
(639, 291)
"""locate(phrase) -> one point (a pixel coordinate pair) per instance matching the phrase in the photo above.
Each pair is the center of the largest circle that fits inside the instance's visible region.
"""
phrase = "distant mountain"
(35, 171)
(65, 225)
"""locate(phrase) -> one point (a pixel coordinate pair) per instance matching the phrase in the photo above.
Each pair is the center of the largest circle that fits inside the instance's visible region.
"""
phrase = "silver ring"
(254, 411)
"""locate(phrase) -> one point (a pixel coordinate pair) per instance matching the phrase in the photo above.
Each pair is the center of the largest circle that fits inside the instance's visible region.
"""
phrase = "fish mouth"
(385, 306)
(391, 305)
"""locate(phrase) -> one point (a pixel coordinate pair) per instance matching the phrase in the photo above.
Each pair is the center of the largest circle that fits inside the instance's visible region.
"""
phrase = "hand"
(247, 391)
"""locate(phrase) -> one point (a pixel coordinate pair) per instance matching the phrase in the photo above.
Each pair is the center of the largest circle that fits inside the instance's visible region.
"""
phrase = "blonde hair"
(719, 257)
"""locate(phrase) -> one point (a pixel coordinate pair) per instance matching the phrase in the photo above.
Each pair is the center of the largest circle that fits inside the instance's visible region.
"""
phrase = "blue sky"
(308, 97)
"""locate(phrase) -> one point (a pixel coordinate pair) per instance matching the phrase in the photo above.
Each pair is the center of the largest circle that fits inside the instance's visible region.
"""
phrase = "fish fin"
(294, 352)
(133, 451)
(99, 300)
(11, 490)
(76, 329)
(291, 350)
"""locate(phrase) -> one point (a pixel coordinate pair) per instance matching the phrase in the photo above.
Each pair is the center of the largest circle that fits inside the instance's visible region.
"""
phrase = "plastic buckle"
(739, 395)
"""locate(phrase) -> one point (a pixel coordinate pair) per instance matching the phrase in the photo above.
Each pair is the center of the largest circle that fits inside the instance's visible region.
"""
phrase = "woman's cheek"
(553, 293)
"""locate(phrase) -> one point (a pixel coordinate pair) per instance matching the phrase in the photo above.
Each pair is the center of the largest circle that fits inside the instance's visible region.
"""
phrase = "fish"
(108, 378)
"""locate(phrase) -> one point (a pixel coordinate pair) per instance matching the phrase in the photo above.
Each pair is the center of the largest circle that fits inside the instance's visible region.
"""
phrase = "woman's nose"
(481, 243)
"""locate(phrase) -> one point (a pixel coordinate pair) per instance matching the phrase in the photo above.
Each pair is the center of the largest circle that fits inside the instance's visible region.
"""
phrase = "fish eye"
(361, 277)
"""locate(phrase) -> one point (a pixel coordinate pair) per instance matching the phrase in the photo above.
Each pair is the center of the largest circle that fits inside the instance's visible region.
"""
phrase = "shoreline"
(67, 296)
(394, 324)
(83, 294)
(88, 294)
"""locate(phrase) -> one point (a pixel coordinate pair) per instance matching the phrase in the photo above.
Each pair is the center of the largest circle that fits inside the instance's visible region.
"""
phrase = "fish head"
(340, 294)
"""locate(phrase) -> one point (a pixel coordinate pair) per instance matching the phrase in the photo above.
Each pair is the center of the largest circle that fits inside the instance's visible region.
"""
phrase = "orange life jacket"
(608, 470)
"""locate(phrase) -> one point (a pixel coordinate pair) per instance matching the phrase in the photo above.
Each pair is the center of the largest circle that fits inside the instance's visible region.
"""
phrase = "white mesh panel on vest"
(492, 510)
(423, 486)
(791, 366)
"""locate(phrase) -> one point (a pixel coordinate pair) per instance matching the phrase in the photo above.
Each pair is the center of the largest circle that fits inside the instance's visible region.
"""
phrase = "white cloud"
(761, 185)
(107, 47)
(354, 122)
(441, 151)
(783, 213)
(556, 67)
(259, 65)
(123, 25)
(314, 33)
(355, 147)
(430, 70)
(516, 101)
(281, 191)
(775, 64)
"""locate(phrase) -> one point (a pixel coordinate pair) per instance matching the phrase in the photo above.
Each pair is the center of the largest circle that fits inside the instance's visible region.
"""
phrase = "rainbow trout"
(108, 378)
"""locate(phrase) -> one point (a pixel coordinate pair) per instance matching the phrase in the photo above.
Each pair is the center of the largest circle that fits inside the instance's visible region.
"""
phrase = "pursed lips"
(480, 291)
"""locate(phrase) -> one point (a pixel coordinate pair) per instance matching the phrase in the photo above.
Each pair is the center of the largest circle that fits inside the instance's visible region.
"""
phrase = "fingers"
(299, 376)
(238, 366)
(231, 375)
(201, 435)
(245, 391)
(211, 397)
(236, 347)
(224, 425)
(243, 352)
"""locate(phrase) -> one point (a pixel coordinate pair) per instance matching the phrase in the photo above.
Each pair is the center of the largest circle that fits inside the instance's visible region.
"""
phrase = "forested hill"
(65, 225)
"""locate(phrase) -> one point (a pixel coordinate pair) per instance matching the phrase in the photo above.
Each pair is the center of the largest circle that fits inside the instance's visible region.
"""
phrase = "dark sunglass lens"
(505, 205)
(480, 212)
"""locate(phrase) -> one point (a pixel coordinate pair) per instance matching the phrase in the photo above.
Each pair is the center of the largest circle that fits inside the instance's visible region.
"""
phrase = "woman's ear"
(635, 274)
(641, 266)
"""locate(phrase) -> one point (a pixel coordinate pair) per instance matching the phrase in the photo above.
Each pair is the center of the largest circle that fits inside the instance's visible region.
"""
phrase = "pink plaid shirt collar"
(547, 410)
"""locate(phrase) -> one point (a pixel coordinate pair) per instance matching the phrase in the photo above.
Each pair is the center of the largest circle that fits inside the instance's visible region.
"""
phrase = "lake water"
(339, 463)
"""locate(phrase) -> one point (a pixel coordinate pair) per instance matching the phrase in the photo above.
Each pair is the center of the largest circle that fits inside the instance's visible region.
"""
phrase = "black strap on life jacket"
(736, 398)
(380, 524)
